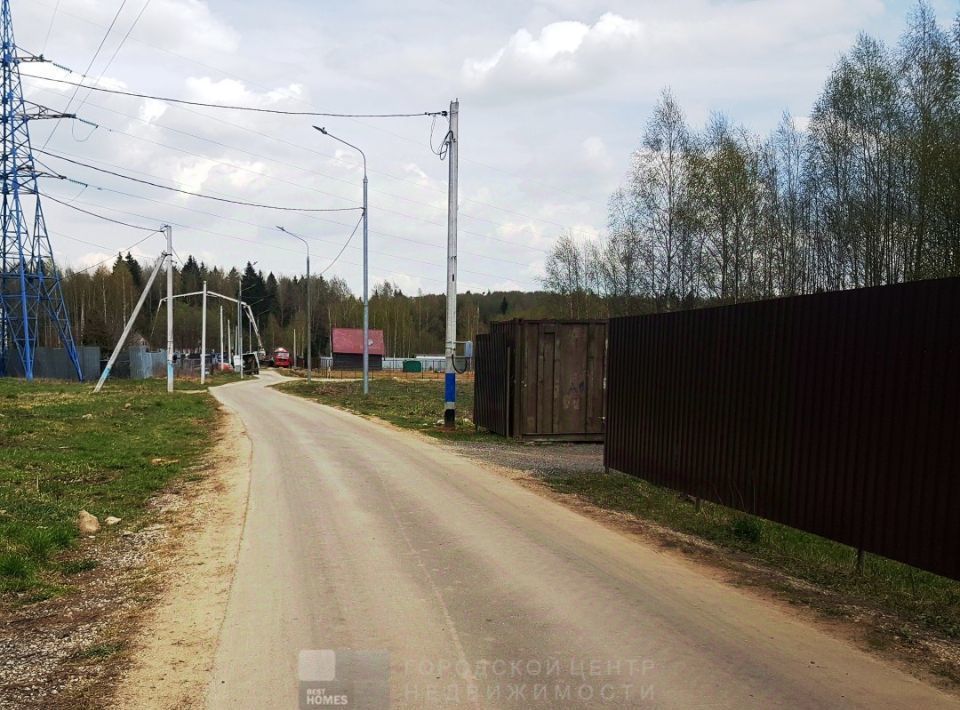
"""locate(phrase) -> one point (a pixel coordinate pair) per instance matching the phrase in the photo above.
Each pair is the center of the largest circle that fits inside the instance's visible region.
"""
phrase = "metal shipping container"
(542, 380)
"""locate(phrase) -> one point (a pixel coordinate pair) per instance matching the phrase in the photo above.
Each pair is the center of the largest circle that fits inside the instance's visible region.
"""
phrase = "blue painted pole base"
(450, 401)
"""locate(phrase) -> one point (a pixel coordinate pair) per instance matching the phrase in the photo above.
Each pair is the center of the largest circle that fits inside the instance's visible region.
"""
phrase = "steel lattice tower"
(29, 283)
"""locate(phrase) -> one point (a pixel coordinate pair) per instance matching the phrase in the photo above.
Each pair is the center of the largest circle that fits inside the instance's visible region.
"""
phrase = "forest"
(101, 300)
(864, 191)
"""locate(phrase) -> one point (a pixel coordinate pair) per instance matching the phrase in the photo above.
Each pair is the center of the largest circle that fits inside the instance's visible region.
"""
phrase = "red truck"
(281, 357)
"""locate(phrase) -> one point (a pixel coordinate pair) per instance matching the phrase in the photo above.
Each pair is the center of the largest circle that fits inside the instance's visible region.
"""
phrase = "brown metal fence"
(541, 379)
(836, 413)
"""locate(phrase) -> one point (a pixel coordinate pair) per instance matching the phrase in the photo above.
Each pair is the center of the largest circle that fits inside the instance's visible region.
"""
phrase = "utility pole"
(203, 338)
(450, 379)
(169, 231)
(366, 299)
(239, 340)
(309, 325)
(229, 340)
(221, 337)
(129, 326)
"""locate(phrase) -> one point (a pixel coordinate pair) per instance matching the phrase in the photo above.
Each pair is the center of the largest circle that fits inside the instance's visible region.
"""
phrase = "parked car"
(281, 357)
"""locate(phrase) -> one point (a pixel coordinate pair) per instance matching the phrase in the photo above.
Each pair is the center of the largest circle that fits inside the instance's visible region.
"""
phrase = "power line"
(311, 171)
(403, 257)
(233, 107)
(53, 17)
(238, 220)
(116, 51)
(233, 75)
(196, 194)
(92, 60)
(343, 248)
(100, 216)
(257, 243)
(101, 246)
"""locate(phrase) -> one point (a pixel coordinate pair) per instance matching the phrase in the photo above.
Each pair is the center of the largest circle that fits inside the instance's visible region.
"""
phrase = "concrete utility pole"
(366, 301)
(169, 231)
(450, 379)
(221, 336)
(203, 338)
(129, 326)
(239, 339)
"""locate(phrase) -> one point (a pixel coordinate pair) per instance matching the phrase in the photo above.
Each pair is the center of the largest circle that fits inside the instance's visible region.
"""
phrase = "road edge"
(176, 642)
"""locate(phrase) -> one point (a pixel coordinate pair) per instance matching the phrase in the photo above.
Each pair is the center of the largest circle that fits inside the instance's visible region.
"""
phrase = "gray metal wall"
(836, 413)
(145, 364)
(54, 364)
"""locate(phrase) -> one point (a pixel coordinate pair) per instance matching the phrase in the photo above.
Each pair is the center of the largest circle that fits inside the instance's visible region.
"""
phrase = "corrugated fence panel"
(490, 402)
(836, 413)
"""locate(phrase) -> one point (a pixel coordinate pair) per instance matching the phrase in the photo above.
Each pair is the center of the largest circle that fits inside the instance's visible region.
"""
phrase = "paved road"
(486, 595)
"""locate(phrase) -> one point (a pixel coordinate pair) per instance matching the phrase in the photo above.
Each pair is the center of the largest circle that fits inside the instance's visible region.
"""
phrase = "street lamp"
(366, 304)
(309, 319)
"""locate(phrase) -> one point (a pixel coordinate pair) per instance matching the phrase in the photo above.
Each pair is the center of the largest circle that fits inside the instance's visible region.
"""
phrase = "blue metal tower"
(29, 283)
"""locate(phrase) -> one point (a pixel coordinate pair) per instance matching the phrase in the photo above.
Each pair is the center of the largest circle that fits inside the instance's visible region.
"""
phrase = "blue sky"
(554, 95)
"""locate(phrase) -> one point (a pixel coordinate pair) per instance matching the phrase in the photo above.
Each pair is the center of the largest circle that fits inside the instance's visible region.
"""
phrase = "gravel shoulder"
(177, 639)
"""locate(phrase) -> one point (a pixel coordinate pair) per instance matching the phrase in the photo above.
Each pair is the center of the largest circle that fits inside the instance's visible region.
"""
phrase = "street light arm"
(295, 236)
(325, 132)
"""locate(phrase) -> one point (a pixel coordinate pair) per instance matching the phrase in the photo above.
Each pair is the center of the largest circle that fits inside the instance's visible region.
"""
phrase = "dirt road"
(362, 537)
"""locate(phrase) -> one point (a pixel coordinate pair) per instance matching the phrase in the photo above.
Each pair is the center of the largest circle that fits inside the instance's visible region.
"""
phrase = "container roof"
(350, 341)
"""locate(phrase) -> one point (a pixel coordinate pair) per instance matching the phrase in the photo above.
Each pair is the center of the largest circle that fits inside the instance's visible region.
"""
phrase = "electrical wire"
(53, 17)
(242, 203)
(233, 107)
(526, 178)
(100, 246)
(99, 216)
(343, 248)
(234, 237)
(116, 51)
(311, 171)
(441, 150)
(92, 60)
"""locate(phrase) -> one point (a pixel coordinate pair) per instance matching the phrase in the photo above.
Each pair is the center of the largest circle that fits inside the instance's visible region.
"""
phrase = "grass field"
(66, 449)
(410, 403)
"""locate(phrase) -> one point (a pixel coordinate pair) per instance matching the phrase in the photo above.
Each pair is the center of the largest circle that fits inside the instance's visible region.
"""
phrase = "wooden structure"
(347, 349)
(542, 379)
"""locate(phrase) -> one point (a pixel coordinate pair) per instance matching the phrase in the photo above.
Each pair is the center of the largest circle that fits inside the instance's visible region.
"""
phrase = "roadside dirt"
(177, 639)
(145, 618)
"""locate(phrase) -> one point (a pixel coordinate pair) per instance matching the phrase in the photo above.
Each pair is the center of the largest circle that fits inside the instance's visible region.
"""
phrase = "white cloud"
(556, 59)
(231, 91)
(152, 110)
(192, 174)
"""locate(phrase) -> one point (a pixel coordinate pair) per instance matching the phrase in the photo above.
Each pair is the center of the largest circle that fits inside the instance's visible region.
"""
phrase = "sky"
(553, 98)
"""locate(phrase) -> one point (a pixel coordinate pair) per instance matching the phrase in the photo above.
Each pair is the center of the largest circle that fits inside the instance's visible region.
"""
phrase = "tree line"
(867, 192)
(101, 300)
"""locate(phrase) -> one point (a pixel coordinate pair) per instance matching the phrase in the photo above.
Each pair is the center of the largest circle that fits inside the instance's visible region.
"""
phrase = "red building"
(347, 347)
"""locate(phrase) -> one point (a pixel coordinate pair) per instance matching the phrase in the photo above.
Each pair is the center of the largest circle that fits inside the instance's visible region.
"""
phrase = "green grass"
(906, 592)
(66, 449)
(412, 404)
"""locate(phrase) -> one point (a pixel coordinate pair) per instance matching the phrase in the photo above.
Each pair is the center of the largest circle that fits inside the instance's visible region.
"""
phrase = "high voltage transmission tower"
(29, 283)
